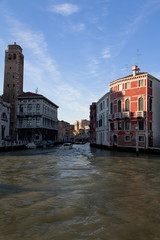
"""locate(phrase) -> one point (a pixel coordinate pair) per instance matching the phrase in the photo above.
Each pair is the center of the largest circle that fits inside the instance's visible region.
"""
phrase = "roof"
(35, 95)
(29, 94)
(129, 76)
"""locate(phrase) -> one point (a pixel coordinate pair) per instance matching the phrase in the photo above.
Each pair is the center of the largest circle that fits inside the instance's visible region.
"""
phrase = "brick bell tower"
(13, 82)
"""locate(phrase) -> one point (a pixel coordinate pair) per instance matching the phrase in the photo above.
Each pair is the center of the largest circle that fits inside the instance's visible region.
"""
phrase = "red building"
(134, 106)
(93, 123)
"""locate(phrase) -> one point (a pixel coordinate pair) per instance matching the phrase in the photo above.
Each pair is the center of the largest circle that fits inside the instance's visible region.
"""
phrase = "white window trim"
(127, 87)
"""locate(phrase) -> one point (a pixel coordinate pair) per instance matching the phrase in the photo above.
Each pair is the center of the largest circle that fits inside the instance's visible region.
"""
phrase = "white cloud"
(93, 66)
(106, 53)
(36, 43)
(64, 9)
(77, 27)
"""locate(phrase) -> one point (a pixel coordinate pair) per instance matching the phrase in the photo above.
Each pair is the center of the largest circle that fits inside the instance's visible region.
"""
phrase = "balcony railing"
(126, 114)
(140, 114)
(118, 115)
(29, 113)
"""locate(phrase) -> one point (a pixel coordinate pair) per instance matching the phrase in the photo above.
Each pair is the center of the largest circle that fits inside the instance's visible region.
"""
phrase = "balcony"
(110, 117)
(28, 113)
(126, 114)
(140, 114)
(118, 115)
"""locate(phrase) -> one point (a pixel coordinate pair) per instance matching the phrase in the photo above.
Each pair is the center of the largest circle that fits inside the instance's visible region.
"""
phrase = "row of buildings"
(28, 116)
(128, 115)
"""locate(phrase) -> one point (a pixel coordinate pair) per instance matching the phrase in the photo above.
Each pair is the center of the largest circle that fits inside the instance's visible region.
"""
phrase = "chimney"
(134, 69)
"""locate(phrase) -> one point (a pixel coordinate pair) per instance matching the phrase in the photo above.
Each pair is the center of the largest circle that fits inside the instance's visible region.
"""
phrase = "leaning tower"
(13, 82)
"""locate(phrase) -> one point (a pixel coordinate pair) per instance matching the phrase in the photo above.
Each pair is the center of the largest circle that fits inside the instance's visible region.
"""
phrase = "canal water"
(81, 193)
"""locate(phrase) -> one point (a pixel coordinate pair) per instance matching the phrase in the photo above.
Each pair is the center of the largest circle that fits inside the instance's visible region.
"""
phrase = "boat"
(67, 145)
(31, 145)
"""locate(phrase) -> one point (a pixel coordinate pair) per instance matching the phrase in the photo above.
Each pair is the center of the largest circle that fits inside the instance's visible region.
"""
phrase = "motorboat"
(67, 145)
(31, 145)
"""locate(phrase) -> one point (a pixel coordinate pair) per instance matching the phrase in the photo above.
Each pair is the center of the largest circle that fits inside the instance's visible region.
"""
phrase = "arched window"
(140, 104)
(127, 105)
(4, 116)
(29, 107)
(119, 105)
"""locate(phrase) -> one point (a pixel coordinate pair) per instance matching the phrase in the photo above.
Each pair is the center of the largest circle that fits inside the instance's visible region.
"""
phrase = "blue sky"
(73, 49)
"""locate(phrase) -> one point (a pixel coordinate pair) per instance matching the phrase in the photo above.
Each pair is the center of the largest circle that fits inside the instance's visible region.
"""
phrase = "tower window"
(9, 56)
(8, 85)
(10, 67)
(14, 56)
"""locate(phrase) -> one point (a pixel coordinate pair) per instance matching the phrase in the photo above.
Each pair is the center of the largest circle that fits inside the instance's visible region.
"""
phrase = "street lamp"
(137, 140)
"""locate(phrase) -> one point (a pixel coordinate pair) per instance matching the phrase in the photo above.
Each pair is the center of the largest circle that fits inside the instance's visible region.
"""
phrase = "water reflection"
(79, 194)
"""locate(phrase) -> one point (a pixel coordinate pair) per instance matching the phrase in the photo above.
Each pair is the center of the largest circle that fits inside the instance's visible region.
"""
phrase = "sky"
(73, 49)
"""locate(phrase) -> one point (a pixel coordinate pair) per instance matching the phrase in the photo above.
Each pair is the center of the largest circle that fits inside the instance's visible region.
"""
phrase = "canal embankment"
(150, 150)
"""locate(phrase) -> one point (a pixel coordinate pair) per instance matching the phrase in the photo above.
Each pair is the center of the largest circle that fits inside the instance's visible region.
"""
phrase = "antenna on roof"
(36, 91)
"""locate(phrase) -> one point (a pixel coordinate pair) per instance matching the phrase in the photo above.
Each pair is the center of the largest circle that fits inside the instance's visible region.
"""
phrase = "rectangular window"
(127, 85)
(141, 125)
(107, 102)
(20, 121)
(29, 122)
(150, 83)
(120, 126)
(111, 126)
(38, 108)
(127, 138)
(141, 138)
(141, 83)
(150, 104)
(111, 108)
(150, 126)
(127, 125)
(38, 122)
(120, 87)
(111, 89)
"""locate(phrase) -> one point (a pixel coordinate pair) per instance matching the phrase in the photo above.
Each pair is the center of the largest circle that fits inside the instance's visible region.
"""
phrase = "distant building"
(134, 106)
(36, 118)
(13, 82)
(93, 117)
(64, 131)
(4, 120)
(102, 126)
(80, 126)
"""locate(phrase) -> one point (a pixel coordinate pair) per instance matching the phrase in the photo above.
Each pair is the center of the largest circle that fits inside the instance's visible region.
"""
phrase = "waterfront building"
(102, 126)
(134, 110)
(92, 131)
(36, 118)
(4, 120)
(13, 82)
(64, 134)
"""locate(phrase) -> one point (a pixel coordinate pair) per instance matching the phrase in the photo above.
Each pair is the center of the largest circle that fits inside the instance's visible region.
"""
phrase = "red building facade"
(133, 109)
